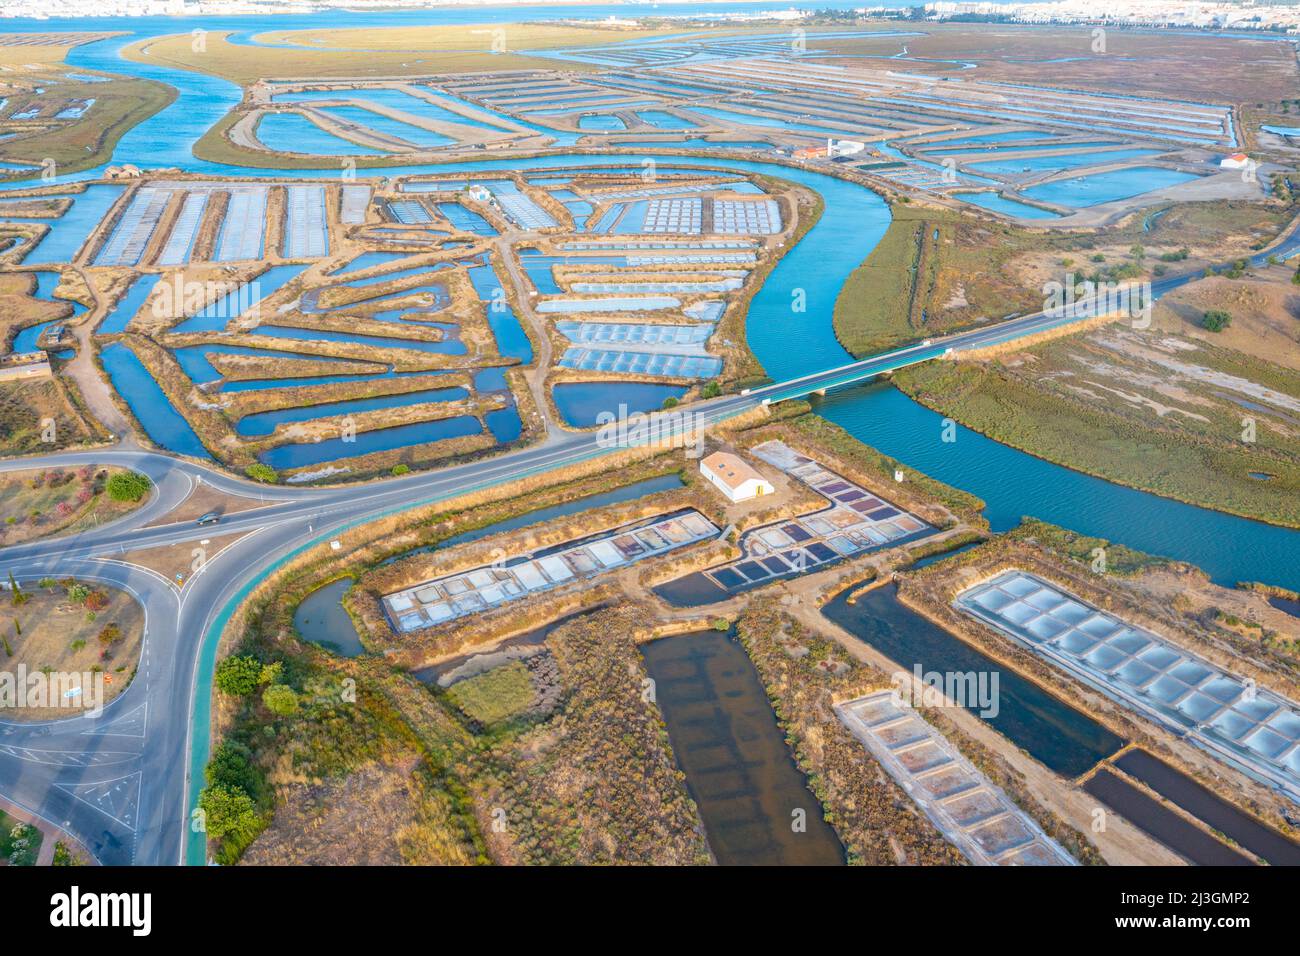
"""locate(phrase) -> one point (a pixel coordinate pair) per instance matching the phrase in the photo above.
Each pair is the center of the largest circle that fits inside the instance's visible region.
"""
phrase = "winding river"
(789, 324)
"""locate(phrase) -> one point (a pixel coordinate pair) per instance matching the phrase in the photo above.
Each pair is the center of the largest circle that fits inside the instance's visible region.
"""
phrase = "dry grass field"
(432, 50)
(71, 628)
(39, 503)
(1210, 69)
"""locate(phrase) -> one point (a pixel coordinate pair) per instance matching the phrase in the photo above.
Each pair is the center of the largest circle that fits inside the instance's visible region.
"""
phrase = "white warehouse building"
(734, 478)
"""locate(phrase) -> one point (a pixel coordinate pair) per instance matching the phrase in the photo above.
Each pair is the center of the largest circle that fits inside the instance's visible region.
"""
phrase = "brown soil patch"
(1265, 312)
(357, 821)
(205, 498)
(174, 559)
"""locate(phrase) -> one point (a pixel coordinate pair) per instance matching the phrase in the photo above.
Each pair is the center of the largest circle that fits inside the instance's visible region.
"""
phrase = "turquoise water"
(1106, 187)
(512, 341)
(215, 316)
(1049, 730)
(25, 340)
(368, 260)
(746, 119)
(466, 220)
(697, 143)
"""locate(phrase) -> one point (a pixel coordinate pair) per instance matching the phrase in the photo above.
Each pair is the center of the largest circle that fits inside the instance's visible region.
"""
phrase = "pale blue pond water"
(380, 123)
(580, 403)
(466, 220)
(512, 341)
(70, 231)
(665, 120)
(999, 203)
(368, 260)
(1106, 187)
(601, 122)
(1020, 164)
(294, 133)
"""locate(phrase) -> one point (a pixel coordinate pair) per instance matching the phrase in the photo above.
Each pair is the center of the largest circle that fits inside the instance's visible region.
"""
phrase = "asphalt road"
(119, 782)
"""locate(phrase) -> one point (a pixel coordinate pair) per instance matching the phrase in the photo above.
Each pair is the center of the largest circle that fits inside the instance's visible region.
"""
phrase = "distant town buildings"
(734, 478)
(1153, 13)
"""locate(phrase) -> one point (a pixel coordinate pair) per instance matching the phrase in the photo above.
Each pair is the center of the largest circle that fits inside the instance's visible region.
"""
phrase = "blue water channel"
(25, 340)
(165, 427)
(665, 120)
(215, 316)
(127, 306)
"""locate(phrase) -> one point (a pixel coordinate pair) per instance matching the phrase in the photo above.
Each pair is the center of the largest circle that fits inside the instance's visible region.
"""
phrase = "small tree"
(23, 845)
(109, 635)
(128, 486)
(1216, 320)
(239, 676)
(229, 812)
(63, 856)
(263, 473)
(77, 593)
(281, 700)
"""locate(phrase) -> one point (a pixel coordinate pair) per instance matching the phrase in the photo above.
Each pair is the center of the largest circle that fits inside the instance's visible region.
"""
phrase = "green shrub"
(239, 676)
(281, 700)
(401, 469)
(1216, 320)
(263, 473)
(229, 813)
(128, 486)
